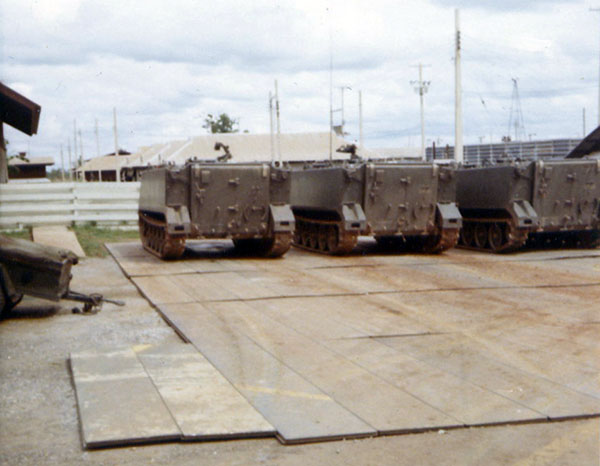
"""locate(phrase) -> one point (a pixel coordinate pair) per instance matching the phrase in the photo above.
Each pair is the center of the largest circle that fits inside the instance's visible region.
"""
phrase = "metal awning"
(18, 111)
(591, 143)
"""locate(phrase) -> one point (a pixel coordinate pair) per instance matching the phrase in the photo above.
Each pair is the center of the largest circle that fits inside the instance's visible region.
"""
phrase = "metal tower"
(515, 119)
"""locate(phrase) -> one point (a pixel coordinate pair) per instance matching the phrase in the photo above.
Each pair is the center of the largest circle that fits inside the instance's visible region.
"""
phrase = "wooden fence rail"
(33, 204)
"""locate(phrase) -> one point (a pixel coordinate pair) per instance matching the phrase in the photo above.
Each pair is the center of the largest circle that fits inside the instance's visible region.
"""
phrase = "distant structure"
(398, 153)
(23, 167)
(104, 168)
(513, 150)
(243, 148)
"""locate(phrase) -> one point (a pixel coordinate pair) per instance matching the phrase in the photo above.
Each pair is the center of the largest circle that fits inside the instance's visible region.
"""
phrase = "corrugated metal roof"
(31, 161)
(243, 147)
(402, 152)
(106, 162)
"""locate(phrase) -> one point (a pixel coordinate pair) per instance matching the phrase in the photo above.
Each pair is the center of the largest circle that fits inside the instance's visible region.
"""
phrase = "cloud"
(166, 65)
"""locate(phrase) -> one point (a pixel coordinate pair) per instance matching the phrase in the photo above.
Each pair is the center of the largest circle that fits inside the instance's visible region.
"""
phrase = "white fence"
(32, 204)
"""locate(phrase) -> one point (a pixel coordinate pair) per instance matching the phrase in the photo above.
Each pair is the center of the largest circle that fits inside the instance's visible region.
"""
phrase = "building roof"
(398, 152)
(589, 144)
(104, 163)
(18, 111)
(16, 161)
(243, 147)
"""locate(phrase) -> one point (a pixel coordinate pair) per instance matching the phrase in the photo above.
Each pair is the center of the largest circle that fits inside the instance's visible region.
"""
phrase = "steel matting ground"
(378, 343)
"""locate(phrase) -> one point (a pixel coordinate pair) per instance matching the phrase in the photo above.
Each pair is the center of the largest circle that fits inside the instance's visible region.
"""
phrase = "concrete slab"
(203, 403)
(118, 404)
(59, 237)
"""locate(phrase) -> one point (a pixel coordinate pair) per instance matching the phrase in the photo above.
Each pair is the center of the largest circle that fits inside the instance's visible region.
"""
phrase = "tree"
(222, 124)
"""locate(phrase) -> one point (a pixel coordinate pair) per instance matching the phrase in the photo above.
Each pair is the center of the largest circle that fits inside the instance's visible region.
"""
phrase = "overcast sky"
(166, 65)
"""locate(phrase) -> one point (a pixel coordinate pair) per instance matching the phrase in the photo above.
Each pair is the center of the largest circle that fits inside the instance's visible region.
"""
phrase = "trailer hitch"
(92, 303)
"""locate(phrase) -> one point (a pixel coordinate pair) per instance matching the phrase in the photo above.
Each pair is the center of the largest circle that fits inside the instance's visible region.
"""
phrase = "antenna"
(421, 88)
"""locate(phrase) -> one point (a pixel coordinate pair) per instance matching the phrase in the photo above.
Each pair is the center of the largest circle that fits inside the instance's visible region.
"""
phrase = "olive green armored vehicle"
(404, 205)
(245, 202)
(554, 202)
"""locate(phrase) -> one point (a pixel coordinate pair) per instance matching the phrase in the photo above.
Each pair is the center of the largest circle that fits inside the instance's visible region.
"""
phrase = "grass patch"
(25, 233)
(92, 238)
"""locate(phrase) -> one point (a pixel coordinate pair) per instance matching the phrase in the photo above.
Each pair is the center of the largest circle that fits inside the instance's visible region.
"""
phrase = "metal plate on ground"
(384, 406)
(202, 402)
(478, 339)
(299, 410)
(118, 404)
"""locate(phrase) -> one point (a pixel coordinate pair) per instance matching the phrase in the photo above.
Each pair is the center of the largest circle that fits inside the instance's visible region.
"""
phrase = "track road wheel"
(496, 237)
(467, 234)
(480, 235)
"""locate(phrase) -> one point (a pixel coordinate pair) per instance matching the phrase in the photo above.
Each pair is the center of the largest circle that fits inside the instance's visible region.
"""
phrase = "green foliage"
(92, 238)
(222, 124)
(25, 233)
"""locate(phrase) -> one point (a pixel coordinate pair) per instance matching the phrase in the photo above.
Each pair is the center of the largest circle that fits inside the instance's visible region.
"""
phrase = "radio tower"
(515, 119)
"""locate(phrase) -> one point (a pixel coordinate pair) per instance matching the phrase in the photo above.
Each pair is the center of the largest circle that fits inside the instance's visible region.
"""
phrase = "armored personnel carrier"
(246, 202)
(405, 205)
(549, 201)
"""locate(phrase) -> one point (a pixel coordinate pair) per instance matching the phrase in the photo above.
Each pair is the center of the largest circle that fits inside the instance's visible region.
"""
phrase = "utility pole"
(583, 121)
(80, 148)
(70, 160)
(62, 163)
(421, 88)
(278, 124)
(360, 121)
(75, 140)
(458, 136)
(330, 86)
(118, 165)
(597, 10)
(97, 140)
(271, 127)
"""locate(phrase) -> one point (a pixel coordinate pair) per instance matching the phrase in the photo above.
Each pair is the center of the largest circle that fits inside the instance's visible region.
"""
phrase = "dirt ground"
(39, 422)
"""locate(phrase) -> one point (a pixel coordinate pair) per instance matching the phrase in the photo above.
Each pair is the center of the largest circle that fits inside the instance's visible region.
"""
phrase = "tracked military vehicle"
(504, 206)
(403, 205)
(245, 202)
